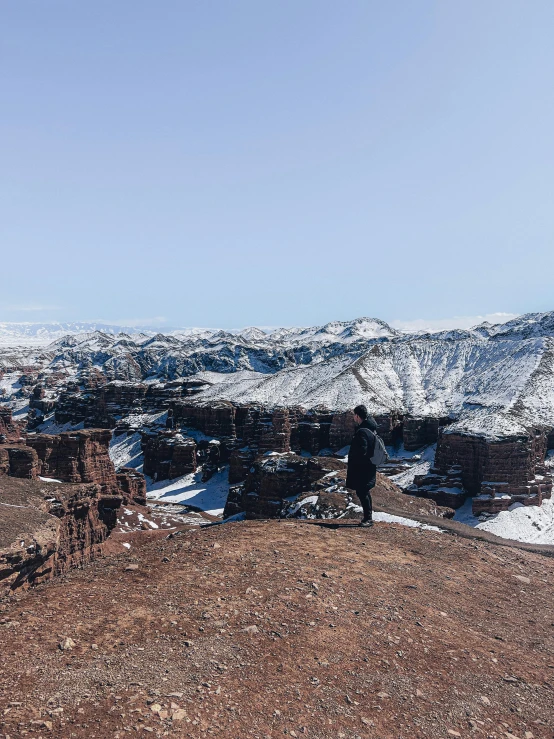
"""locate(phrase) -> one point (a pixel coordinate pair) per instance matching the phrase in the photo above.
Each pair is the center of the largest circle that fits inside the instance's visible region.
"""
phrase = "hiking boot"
(366, 523)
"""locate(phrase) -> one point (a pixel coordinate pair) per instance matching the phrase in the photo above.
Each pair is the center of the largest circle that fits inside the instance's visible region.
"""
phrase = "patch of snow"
(531, 524)
(388, 518)
(209, 496)
(142, 518)
(126, 451)
(49, 426)
(422, 466)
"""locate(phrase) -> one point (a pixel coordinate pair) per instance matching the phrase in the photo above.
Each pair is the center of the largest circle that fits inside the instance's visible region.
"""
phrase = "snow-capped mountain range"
(493, 379)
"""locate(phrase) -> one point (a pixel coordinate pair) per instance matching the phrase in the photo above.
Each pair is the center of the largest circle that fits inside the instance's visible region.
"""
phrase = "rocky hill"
(267, 629)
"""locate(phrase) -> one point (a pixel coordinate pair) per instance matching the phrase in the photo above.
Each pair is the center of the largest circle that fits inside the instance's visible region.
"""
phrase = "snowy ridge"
(491, 380)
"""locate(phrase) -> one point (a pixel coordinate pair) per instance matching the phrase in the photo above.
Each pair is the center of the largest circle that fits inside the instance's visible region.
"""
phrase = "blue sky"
(275, 163)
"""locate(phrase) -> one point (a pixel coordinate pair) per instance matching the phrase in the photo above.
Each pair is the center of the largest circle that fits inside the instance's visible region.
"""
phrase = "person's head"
(360, 414)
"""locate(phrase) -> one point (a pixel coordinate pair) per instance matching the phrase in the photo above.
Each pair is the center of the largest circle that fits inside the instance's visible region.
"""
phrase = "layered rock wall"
(168, 455)
(75, 456)
(271, 479)
(19, 461)
(10, 430)
(498, 472)
(46, 528)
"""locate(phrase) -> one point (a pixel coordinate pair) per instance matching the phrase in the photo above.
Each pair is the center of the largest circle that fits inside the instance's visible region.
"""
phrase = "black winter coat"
(361, 471)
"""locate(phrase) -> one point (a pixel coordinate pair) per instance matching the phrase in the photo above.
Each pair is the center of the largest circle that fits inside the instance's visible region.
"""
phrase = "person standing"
(362, 473)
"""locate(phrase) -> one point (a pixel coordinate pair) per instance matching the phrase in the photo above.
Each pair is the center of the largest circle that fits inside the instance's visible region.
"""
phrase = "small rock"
(94, 646)
(216, 545)
(529, 735)
(155, 708)
(419, 694)
(188, 643)
(510, 679)
(453, 733)
(485, 700)
(251, 629)
(130, 568)
(178, 715)
(523, 579)
(383, 695)
(66, 644)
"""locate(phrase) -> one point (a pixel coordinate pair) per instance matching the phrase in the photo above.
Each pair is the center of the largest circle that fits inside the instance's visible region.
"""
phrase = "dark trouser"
(364, 494)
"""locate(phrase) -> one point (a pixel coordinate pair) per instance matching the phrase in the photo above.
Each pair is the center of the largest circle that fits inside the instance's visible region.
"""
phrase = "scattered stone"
(66, 644)
(131, 568)
(253, 629)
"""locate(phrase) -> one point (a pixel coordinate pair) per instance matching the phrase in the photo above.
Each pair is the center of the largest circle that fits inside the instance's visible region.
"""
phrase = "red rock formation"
(217, 419)
(512, 468)
(19, 461)
(10, 430)
(168, 455)
(61, 526)
(271, 478)
(418, 432)
(240, 462)
(75, 456)
(132, 485)
(445, 489)
(319, 467)
(341, 430)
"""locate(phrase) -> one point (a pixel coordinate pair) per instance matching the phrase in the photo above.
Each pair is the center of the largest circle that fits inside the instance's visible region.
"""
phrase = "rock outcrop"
(75, 456)
(168, 454)
(497, 472)
(271, 478)
(47, 528)
(446, 489)
(131, 485)
(19, 461)
(10, 430)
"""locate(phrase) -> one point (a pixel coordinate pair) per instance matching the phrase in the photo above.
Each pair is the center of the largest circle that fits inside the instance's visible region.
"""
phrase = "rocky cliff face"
(10, 430)
(47, 528)
(498, 472)
(75, 456)
(270, 480)
(168, 455)
(19, 461)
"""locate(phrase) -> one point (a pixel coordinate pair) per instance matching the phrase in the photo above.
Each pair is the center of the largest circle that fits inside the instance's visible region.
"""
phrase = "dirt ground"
(280, 628)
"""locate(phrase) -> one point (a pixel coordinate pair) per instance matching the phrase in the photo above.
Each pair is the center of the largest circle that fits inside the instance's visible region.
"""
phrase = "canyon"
(483, 397)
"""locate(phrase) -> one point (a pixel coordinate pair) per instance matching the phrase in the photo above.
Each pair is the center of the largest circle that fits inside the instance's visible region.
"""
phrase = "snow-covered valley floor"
(208, 496)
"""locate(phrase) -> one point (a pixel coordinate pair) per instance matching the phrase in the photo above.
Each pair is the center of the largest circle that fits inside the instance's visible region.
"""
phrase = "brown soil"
(267, 629)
